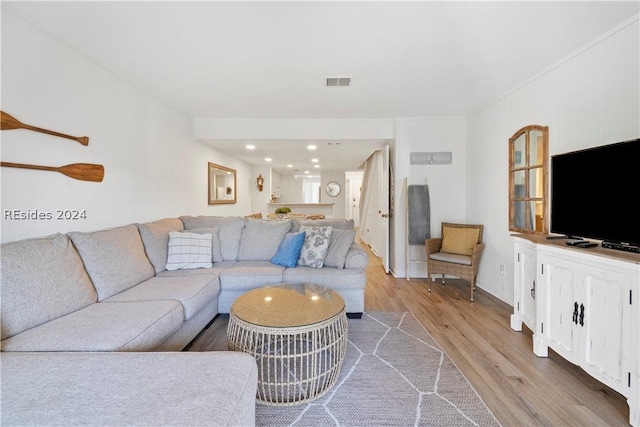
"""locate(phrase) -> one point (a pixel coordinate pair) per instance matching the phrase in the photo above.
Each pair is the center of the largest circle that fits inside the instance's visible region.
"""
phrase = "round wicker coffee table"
(298, 336)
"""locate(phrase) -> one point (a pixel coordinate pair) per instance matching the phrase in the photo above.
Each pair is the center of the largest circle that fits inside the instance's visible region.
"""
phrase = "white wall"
(591, 99)
(153, 167)
(447, 191)
(339, 200)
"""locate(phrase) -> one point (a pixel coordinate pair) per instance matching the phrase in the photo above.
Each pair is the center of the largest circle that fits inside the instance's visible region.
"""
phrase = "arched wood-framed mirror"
(222, 185)
(528, 172)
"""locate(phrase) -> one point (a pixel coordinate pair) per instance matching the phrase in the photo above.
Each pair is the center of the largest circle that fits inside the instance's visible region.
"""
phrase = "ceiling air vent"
(338, 81)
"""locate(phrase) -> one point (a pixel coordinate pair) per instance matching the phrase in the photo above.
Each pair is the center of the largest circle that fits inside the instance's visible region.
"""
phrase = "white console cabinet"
(583, 304)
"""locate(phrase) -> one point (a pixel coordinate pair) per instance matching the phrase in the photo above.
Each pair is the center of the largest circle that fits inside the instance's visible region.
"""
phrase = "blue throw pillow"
(289, 250)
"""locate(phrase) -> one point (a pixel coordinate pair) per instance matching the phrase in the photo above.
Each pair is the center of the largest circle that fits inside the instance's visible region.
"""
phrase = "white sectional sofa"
(90, 319)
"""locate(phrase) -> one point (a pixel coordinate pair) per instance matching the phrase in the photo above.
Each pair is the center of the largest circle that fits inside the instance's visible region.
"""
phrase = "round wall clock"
(332, 188)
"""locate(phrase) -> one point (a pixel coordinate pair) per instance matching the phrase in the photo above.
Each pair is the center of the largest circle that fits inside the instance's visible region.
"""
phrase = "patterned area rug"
(394, 374)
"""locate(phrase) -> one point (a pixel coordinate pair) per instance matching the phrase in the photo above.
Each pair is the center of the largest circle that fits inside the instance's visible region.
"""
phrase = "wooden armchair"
(457, 253)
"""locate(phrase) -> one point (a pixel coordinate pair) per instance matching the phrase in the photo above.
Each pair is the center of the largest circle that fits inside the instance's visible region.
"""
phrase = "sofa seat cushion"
(128, 389)
(192, 291)
(42, 279)
(453, 258)
(105, 326)
(246, 275)
(114, 258)
(334, 278)
(155, 237)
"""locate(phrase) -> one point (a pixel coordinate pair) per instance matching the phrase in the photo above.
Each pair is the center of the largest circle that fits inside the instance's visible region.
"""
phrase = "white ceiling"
(269, 60)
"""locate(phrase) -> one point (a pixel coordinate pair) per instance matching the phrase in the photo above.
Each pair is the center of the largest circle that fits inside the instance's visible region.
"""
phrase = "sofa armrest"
(356, 257)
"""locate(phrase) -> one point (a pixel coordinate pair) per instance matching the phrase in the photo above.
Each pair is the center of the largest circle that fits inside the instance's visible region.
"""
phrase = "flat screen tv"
(595, 193)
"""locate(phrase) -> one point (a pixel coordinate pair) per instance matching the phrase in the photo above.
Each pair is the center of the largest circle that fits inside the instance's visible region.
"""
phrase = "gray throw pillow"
(229, 234)
(339, 244)
(216, 247)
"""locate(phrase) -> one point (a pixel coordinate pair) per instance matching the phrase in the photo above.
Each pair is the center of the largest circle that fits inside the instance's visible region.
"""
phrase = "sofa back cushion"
(229, 233)
(342, 223)
(155, 238)
(260, 239)
(114, 258)
(42, 279)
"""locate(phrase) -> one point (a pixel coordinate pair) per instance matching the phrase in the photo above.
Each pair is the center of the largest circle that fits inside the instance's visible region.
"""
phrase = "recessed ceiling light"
(267, 159)
(314, 160)
(316, 166)
(289, 166)
(306, 171)
(250, 147)
(311, 147)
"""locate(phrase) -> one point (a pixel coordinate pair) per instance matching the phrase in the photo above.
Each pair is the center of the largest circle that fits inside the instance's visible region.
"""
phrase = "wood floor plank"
(520, 388)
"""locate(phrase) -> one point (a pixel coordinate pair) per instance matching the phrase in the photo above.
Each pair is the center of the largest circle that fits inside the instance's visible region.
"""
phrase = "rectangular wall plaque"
(431, 158)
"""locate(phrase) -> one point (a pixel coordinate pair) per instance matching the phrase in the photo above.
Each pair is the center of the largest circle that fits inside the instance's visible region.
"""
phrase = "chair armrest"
(475, 257)
(433, 245)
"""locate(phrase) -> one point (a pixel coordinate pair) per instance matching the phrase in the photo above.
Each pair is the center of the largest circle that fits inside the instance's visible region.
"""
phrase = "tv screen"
(594, 193)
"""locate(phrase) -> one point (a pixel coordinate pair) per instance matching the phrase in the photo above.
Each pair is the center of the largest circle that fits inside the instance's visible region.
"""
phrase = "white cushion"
(189, 250)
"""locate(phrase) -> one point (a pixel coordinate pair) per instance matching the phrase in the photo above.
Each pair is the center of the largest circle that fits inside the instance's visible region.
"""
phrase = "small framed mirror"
(222, 185)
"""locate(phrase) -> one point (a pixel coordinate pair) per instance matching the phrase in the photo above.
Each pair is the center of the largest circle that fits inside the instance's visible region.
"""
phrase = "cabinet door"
(528, 272)
(524, 276)
(606, 322)
(558, 327)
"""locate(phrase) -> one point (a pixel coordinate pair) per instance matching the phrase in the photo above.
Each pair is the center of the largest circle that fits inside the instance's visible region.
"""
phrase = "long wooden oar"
(9, 122)
(81, 171)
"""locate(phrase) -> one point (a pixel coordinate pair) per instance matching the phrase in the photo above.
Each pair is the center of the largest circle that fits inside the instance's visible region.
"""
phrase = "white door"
(384, 208)
(375, 218)
(354, 200)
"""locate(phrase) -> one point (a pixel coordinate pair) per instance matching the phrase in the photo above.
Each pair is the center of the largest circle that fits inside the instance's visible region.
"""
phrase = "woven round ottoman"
(298, 336)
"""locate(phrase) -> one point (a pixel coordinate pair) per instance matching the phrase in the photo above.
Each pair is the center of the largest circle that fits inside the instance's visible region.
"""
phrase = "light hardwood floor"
(520, 388)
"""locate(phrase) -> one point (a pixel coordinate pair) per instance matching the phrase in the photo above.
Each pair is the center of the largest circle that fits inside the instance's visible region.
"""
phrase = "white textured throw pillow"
(316, 243)
(189, 250)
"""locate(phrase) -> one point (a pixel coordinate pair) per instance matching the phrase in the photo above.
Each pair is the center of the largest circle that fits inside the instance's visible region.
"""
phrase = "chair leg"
(429, 280)
(442, 279)
(472, 283)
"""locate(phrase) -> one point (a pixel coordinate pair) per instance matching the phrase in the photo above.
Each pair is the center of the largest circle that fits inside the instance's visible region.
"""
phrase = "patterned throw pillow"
(189, 250)
(316, 243)
(289, 250)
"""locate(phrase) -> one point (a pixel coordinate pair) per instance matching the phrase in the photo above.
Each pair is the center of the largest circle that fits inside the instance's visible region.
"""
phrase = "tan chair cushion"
(461, 241)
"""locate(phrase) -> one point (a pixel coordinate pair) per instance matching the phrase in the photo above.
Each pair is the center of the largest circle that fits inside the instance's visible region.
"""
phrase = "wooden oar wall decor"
(9, 122)
(80, 171)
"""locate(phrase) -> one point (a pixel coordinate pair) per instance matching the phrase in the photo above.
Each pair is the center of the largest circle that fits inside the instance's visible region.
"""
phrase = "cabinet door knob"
(575, 312)
(581, 314)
